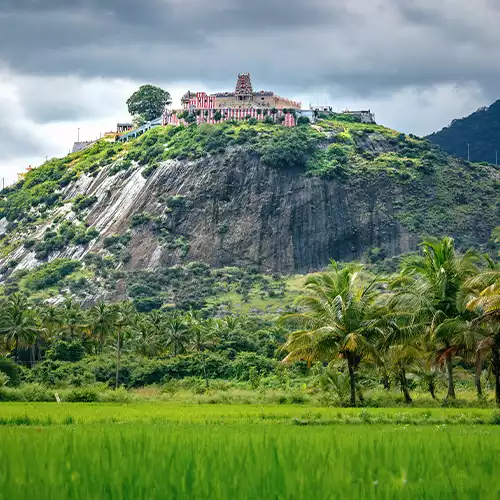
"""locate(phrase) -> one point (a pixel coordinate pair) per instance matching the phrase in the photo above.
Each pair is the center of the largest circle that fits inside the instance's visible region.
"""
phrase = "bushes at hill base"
(62, 350)
(140, 372)
(11, 371)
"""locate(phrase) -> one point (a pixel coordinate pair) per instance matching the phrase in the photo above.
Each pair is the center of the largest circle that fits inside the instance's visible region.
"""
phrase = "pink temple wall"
(229, 114)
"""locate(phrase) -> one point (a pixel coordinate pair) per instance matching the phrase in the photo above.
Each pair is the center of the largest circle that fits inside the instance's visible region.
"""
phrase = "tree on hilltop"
(148, 102)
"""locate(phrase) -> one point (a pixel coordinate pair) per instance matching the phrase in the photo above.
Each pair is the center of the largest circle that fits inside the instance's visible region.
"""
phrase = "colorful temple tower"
(244, 89)
(242, 104)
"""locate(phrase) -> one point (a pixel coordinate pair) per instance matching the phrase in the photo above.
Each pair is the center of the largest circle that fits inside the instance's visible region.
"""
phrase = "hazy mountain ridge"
(480, 130)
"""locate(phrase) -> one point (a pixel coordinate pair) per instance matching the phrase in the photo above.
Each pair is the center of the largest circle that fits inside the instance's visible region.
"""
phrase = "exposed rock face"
(244, 213)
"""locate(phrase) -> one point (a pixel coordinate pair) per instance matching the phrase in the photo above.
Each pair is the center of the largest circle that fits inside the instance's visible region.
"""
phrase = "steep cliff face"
(240, 212)
(234, 209)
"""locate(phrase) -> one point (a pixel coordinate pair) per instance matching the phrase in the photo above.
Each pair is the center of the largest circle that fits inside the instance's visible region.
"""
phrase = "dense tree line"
(442, 309)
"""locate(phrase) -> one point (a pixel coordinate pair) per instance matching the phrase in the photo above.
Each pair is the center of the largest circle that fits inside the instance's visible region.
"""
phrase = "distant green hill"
(481, 130)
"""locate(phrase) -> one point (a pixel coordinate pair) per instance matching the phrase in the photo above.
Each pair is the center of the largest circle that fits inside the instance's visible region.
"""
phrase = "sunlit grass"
(167, 412)
(240, 460)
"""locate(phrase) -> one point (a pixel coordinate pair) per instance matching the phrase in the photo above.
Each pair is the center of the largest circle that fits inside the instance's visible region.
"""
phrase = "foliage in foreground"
(244, 460)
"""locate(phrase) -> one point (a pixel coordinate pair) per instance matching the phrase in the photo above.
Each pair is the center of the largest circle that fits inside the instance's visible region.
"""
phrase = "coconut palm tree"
(51, 319)
(204, 335)
(18, 324)
(338, 320)
(401, 359)
(397, 348)
(74, 323)
(177, 335)
(485, 303)
(145, 340)
(102, 324)
(125, 314)
(430, 287)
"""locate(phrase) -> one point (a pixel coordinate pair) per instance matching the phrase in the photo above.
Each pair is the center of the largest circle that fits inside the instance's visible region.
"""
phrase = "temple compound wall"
(212, 116)
(241, 104)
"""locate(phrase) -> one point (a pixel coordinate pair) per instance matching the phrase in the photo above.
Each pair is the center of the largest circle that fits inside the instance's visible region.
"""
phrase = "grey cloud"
(97, 37)
(368, 47)
(355, 47)
(15, 143)
(46, 100)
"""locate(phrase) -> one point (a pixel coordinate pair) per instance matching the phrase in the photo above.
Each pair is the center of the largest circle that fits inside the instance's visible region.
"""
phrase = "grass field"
(164, 451)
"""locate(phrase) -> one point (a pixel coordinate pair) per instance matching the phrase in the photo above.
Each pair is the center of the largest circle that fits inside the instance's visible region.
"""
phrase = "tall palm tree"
(51, 321)
(146, 340)
(102, 324)
(17, 323)
(430, 290)
(156, 320)
(124, 316)
(74, 321)
(204, 335)
(338, 320)
(485, 303)
(177, 335)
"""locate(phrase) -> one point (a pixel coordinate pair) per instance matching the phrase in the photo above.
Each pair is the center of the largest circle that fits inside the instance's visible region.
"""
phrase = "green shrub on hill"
(67, 233)
(51, 274)
(82, 202)
(288, 148)
(42, 185)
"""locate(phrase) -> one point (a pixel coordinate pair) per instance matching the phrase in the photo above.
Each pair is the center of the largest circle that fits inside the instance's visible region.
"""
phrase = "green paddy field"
(166, 451)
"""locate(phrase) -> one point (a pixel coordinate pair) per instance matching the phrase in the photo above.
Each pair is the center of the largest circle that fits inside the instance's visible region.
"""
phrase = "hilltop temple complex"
(243, 103)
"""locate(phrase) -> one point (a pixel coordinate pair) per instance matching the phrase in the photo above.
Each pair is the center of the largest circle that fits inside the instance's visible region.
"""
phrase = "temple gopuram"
(241, 104)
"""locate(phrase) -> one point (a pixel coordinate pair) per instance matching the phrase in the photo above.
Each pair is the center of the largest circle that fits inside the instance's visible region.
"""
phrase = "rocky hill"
(214, 205)
(481, 130)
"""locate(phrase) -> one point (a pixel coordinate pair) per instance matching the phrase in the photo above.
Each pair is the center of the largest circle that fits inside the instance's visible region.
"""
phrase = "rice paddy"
(162, 451)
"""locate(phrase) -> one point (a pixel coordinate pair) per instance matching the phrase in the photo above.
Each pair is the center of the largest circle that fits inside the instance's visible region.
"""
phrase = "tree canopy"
(148, 102)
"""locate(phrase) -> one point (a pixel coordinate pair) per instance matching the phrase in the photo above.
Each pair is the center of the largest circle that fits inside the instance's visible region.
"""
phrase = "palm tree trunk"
(479, 388)
(17, 349)
(352, 379)
(495, 351)
(118, 347)
(432, 388)
(404, 387)
(386, 382)
(451, 385)
(205, 369)
(32, 355)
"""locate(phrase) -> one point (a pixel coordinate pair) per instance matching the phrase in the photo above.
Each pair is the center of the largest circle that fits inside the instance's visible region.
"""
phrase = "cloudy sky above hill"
(69, 64)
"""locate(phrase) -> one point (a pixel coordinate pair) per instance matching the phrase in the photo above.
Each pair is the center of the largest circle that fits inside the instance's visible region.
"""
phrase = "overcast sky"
(69, 64)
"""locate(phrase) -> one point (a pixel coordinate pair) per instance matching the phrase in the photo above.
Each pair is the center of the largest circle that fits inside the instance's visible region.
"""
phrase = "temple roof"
(244, 85)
